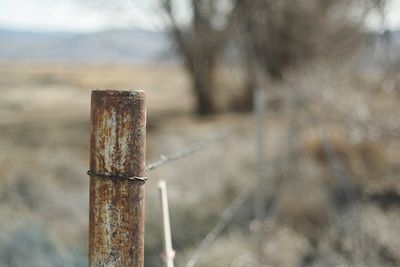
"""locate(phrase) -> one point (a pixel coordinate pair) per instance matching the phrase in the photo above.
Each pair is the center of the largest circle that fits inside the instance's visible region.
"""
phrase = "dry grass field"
(334, 200)
(44, 139)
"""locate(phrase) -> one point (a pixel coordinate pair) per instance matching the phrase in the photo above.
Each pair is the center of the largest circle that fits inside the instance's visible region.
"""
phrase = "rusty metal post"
(117, 169)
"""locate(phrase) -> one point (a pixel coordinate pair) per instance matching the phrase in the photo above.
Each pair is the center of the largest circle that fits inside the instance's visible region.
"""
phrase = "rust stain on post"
(117, 147)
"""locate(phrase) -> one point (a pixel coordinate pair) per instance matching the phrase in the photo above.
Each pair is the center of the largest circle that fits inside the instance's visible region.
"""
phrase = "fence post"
(117, 170)
(169, 253)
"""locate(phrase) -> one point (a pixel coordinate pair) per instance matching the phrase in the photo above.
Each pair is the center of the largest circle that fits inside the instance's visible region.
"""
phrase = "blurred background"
(324, 160)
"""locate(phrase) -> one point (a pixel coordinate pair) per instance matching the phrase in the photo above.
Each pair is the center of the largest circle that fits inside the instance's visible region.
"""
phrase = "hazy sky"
(78, 15)
(75, 15)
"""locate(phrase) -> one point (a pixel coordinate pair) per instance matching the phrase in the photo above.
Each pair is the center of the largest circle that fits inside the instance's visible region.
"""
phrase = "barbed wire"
(191, 149)
(194, 147)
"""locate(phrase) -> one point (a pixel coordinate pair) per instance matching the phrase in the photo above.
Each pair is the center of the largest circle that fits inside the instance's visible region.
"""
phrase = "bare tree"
(279, 35)
(200, 41)
(283, 33)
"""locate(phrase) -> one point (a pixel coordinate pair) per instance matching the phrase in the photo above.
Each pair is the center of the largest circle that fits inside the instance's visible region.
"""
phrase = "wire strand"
(194, 147)
(225, 218)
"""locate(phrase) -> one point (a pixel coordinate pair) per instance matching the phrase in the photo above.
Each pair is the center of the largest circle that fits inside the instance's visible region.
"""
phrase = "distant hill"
(119, 46)
(105, 46)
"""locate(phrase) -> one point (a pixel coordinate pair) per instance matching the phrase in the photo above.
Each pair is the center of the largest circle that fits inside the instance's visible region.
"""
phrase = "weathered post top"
(117, 170)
